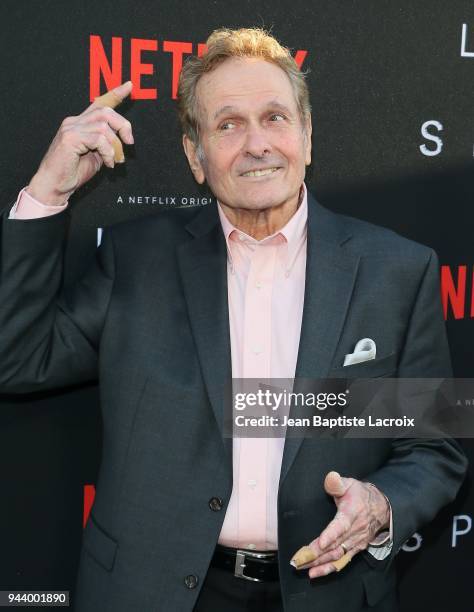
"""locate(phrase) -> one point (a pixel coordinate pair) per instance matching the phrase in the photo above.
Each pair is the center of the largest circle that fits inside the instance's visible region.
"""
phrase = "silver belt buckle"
(240, 564)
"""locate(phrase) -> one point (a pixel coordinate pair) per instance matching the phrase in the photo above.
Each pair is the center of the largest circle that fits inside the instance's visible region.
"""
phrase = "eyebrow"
(223, 110)
(232, 109)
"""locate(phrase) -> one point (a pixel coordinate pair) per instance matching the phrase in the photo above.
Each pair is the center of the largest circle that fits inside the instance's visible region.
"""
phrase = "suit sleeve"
(422, 475)
(47, 339)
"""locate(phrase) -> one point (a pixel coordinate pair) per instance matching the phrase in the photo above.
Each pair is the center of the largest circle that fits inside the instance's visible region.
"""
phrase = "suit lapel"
(203, 267)
(330, 276)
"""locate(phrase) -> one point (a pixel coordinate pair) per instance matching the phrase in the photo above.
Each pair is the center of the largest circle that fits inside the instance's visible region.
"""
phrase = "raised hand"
(81, 146)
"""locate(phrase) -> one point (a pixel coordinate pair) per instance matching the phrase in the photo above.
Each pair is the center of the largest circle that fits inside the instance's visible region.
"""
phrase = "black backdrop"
(391, 85)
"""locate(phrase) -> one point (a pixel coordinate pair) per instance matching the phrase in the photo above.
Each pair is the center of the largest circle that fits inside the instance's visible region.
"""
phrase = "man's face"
(254, 144)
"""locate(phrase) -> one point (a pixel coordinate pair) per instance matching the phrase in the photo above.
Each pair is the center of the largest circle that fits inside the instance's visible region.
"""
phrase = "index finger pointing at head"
(114, 96)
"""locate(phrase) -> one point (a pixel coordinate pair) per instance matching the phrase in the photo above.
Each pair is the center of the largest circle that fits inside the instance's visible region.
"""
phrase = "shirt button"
(251, 546)
(259, 284)
(257, 350)
(215, 504)
(252, 483)
(191, 581)
(241, 237)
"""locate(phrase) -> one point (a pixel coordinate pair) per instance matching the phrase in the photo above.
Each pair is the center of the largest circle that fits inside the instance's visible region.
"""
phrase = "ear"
(190, 150)
(308, 132)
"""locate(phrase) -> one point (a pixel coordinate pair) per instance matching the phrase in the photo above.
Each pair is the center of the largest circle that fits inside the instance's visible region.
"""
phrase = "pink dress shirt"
(266, 281)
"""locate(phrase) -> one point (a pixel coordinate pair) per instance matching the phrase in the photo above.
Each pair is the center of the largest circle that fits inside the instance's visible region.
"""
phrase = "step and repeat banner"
(391, 84)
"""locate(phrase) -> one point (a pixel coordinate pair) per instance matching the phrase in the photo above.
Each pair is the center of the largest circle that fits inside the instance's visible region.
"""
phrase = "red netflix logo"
(89, 496)
(110, 66)
(457, 298)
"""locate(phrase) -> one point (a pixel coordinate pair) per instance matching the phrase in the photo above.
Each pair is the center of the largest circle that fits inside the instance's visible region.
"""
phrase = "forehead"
(243, 83)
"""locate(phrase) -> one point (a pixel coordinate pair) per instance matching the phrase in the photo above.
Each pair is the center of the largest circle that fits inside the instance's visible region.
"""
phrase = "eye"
(277, 117)
(227, 125)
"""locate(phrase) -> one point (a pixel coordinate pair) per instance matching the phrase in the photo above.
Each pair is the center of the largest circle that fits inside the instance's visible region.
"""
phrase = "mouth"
(262, 172)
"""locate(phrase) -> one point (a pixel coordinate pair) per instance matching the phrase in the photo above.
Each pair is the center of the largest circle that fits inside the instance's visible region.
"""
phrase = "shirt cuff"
(380, 552)
(27, 207)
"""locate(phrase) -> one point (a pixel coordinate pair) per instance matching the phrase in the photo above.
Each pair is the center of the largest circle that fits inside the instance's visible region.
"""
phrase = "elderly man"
(265, 284)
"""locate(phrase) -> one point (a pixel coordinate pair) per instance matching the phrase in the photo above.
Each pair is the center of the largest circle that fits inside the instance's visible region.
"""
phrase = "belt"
(259, 566)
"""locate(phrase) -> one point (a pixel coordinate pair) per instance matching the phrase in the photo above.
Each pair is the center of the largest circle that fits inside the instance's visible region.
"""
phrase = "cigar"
(111, 99)
(303, 556)
(342, 562)
(307, 555)
(108, 99)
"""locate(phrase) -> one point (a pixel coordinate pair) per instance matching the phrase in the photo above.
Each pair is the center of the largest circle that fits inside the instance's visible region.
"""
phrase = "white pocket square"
(364, 350)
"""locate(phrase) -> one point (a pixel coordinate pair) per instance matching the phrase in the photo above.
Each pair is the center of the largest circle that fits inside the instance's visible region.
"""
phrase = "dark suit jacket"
(150, 320)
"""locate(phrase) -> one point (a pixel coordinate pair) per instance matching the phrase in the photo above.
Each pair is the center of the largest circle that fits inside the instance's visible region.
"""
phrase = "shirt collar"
(293, 233)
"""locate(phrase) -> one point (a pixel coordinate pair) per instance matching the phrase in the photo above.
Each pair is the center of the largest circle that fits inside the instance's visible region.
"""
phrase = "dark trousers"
(222, 591)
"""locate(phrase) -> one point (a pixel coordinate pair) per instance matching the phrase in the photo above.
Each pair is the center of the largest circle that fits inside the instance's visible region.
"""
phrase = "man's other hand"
(362, 512)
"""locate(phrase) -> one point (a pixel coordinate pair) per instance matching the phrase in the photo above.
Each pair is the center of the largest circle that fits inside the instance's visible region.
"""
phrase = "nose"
(256, 142)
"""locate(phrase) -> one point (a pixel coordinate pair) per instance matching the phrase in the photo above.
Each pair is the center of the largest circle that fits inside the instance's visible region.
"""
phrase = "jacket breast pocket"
(373, 368)
(99, 545)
